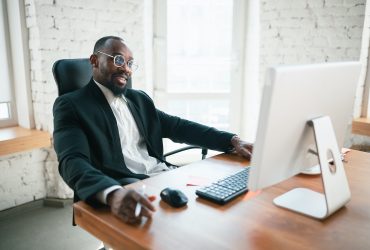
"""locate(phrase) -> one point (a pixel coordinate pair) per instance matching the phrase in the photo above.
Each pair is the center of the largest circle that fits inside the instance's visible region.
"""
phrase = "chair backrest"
(72, 74)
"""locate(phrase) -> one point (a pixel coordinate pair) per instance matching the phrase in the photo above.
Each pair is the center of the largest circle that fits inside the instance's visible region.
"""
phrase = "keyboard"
(227, 188)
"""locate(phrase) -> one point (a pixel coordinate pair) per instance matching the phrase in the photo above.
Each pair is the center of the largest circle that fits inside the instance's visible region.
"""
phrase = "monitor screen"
(292, 96)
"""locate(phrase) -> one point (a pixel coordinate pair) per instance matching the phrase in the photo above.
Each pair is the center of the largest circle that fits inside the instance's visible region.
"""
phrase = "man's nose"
(125, 68)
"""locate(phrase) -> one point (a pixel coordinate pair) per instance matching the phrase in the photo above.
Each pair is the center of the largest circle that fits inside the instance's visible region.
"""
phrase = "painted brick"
(315, 3)
(22, 178)
(330, 30)
(357, 10)
(64, 29)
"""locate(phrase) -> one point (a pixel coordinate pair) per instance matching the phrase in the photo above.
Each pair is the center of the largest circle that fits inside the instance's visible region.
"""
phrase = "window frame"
(12, 120)
(19, 59)
(365, 107)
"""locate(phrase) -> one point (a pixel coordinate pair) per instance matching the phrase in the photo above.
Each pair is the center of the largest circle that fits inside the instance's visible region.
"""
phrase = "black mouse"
(174, 197)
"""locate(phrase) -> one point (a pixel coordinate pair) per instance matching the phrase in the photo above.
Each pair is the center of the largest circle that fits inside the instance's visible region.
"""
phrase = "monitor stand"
(336, 190)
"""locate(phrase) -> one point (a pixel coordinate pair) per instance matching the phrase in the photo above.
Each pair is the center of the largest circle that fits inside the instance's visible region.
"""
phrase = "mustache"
(121, 75)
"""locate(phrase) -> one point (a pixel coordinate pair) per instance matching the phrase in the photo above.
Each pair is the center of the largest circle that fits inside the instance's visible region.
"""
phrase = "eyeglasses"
(119, 61)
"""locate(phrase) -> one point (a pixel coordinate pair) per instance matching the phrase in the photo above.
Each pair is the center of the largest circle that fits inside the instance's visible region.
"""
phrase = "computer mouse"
(174, 197)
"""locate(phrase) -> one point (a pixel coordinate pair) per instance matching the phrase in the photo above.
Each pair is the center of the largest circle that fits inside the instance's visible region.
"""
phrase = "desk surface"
(245, 223)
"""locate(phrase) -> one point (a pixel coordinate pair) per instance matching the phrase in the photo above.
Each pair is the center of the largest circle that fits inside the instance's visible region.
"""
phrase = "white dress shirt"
(134, 150)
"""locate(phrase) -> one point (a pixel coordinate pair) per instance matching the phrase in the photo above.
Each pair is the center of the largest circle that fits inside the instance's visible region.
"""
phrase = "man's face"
(106, 73)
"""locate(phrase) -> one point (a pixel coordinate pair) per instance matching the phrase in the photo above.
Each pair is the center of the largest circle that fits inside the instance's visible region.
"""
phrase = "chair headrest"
(71, 74)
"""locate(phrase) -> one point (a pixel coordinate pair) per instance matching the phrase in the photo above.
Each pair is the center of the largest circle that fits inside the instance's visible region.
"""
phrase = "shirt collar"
(108, 93)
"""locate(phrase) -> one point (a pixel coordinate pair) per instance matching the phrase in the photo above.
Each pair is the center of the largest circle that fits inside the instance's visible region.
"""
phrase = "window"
(198, 61)
(8, 115)
(15, 81)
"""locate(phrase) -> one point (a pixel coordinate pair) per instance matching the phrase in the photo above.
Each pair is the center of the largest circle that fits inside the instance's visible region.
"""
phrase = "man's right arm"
(72, 147)
(90, 184)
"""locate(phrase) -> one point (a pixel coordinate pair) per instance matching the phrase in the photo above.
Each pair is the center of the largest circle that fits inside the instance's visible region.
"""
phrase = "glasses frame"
(133, 66)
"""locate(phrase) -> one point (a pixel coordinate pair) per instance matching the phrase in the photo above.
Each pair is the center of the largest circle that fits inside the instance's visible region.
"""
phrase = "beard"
(117, 90)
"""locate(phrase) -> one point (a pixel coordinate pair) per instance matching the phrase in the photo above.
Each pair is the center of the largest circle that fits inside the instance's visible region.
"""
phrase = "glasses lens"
(129, 64)
(119, 61)
(132, 65)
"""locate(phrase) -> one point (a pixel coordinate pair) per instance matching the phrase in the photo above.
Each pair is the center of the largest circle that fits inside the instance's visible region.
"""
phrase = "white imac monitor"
(292, 97)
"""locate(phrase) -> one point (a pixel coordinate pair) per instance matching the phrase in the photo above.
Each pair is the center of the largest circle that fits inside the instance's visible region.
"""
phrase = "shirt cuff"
(102, 195)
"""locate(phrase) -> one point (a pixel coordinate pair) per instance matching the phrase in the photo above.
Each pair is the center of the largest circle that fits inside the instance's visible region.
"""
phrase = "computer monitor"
(285, 142)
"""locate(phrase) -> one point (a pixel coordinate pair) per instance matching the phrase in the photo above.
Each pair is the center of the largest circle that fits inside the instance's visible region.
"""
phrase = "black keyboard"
(227, 188)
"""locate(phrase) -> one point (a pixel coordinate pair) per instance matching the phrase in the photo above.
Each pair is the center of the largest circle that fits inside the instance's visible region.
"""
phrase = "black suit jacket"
(87, 142)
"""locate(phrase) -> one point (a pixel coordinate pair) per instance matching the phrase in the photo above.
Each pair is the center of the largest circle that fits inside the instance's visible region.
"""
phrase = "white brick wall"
(22, 178)
(65, 29)
(69, 29)
(311, 31)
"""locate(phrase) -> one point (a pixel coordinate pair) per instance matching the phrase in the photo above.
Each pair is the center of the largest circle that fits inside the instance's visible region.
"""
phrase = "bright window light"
(4, 111)
(211, 112)
(199, 55)
(199, 39)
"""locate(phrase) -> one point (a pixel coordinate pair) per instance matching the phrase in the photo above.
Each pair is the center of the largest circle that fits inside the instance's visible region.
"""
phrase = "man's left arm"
(192, 133)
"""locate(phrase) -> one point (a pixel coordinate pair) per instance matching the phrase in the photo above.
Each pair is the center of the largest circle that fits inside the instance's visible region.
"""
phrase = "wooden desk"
(242, 224)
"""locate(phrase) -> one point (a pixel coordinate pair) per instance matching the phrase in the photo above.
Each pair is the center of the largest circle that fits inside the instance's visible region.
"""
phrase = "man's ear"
(94, 61)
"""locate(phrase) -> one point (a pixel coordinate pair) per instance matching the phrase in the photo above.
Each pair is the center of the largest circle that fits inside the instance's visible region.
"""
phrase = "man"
(107, 135)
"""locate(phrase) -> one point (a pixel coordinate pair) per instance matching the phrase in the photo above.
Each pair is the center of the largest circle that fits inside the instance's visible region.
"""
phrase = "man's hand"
(123, 202)
(241, 147)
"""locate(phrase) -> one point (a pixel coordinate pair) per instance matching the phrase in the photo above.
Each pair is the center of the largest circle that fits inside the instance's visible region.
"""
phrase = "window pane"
(208, 112)
(199, 37)
(4, 111)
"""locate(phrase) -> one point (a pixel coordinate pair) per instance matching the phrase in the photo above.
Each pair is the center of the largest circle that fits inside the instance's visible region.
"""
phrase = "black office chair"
(72, 74)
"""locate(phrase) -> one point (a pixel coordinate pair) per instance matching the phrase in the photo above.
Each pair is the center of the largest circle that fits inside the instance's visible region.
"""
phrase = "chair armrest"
(204, 151)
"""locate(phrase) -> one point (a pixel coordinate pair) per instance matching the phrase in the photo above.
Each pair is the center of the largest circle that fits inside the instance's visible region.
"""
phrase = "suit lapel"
(142, 130)
(141, 127)
(137, 118)
(106, 114)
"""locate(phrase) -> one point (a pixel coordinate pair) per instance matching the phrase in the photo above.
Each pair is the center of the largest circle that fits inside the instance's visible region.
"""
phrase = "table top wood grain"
(246, 222)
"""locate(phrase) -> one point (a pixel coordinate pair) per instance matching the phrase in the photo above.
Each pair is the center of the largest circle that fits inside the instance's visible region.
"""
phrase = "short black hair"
(100, 44)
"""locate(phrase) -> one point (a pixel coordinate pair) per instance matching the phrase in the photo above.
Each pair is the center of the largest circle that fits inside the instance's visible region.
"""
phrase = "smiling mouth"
(121, 79)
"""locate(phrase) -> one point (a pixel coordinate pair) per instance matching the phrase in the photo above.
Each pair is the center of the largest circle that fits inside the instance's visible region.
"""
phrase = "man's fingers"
(131, 219)
(127, 214)
(125, 207)
(246, 152)
(146, 207)
(141, 202)
(245, 149)
(145, 212)
(146, 202)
